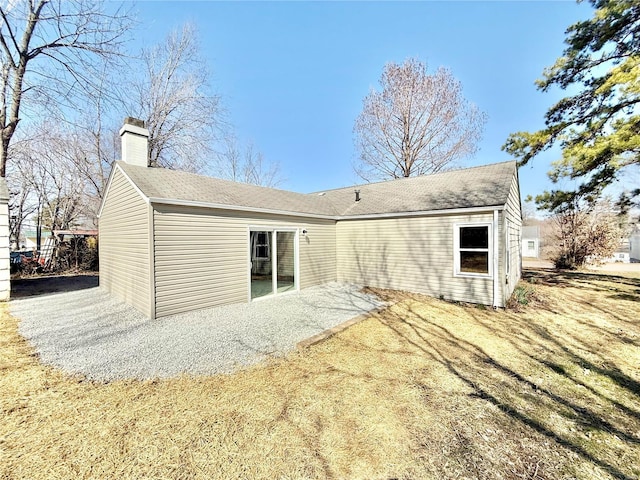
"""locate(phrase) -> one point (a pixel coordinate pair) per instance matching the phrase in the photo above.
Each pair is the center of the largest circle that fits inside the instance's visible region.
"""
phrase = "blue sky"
(293, 74)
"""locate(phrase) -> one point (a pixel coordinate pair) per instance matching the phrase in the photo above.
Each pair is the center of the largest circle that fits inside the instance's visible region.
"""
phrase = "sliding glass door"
(273, 261)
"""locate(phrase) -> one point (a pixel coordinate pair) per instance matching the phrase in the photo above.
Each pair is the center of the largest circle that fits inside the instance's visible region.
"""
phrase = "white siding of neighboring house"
(410, 253)
(124, 245)
(530, 247)
(513, 218)
(634, 247)
(618, 257)
(5, 269)
(202, 255)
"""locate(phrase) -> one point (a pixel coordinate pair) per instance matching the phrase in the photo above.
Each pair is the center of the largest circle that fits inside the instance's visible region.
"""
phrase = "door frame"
(273, 231)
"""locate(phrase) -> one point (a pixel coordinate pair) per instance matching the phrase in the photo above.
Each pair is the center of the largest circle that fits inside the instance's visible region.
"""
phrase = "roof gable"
(485, 186)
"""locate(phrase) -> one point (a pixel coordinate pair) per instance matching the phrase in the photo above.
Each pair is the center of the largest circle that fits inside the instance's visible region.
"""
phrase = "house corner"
(5, 266)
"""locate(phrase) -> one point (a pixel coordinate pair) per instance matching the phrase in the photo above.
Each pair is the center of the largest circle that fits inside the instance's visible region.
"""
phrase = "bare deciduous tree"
(417, 124)
(586, 233)
(51, 187)
(173, 96)
(529, 211)
(246, 165)
(94, 138)
(48, 49)
(21, 193)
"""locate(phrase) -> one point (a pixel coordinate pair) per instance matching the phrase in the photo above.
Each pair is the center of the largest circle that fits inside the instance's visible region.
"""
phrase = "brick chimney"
(135, 142)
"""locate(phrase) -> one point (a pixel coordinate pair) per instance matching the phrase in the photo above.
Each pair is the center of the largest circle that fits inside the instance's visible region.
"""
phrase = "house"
(29, 238)
(172, 241)
(621, 255)
(531, 241)
(634, 245)
(5, 250)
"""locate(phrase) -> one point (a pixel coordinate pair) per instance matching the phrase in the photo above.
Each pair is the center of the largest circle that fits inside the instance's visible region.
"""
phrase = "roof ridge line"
(411, 178)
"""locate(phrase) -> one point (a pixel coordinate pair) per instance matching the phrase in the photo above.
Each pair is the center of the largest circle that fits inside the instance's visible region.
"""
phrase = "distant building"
(531, 242)
(29, 238)
(621, 255)
(634, 245)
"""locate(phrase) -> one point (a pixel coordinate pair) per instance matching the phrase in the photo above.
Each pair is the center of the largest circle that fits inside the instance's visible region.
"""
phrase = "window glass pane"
(532, 245)
(474, 262)
(286, 260)
(259, 243)
(474, 237)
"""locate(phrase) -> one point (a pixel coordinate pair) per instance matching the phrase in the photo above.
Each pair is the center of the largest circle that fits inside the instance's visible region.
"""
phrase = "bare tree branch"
(247, 165)
(174, 98)
(60, 41)
(417, 124)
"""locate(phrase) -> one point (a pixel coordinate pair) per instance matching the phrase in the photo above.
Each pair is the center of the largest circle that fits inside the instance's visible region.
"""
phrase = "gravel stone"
(88, 332)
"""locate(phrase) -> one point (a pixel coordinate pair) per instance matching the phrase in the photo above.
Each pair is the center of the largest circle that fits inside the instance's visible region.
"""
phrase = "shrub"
(522, 296)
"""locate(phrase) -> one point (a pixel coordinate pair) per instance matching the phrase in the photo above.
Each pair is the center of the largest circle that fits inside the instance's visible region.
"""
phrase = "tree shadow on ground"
(566, 278)
(30, 287)
(556, 372)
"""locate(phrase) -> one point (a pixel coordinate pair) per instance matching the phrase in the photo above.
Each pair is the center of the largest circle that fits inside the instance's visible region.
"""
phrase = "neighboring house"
(621, 254)
(173, 242)
(531, 242)
(634, 245)
(5, 249)
(30, 238)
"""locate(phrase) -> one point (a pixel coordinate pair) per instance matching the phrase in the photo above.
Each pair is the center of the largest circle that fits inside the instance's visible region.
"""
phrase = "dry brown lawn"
(425, 389)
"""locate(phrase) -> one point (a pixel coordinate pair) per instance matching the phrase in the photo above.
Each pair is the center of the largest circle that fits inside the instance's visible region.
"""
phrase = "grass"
(424, 389)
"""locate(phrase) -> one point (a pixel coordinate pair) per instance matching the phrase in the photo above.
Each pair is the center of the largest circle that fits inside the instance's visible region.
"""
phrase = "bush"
(89, 255)
(76, 254)
(522, 296)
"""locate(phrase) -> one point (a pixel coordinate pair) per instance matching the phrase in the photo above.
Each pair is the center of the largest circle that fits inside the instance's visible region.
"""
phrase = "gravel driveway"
(90, 333)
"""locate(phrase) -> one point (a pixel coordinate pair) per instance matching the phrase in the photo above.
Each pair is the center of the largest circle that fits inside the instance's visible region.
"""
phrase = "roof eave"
(423, 213)
(237, 208)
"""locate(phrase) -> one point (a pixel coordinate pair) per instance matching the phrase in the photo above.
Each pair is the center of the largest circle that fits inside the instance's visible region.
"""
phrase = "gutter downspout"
(496, 260)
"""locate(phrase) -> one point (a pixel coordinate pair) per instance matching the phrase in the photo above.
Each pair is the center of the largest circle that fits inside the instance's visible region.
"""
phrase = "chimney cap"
(134, 121)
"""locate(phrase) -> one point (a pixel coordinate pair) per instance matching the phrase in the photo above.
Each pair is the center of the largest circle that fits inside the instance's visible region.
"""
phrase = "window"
(531, 245)
(261, 245)
(472, 254)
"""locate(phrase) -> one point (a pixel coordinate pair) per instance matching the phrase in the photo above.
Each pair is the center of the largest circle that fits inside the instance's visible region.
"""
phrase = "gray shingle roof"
(161, 183)
(483, 186)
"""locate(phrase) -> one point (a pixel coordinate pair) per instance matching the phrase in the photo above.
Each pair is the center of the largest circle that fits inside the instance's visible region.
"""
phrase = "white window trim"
(456, 250)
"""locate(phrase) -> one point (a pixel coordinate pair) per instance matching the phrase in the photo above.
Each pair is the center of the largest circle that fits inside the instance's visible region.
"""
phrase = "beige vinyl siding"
(414, 254)
(513, 215)
(124, 244)
(202, 255)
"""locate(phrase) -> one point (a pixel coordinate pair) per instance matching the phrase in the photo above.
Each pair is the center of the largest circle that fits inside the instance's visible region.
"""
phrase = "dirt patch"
(29, 287)
(536, 263)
